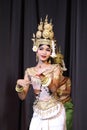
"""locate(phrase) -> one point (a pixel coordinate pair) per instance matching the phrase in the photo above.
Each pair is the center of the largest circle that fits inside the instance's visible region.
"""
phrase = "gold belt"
(44, 105)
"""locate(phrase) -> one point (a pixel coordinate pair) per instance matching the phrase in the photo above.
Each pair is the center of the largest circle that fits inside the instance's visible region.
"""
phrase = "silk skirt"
(55, 123)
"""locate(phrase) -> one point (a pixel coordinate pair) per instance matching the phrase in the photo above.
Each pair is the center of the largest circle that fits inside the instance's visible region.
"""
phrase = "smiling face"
(44, 52)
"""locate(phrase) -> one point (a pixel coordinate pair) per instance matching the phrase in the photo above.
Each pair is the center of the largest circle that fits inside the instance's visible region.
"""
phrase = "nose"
(44, 52)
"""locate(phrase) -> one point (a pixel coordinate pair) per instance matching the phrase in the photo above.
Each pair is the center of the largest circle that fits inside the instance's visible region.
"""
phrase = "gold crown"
(44, 35)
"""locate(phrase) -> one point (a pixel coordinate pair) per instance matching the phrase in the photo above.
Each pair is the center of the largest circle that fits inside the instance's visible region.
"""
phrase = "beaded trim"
(48, 109)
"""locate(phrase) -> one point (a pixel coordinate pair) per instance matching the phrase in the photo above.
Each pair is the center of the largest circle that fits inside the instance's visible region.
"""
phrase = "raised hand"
(23, 82)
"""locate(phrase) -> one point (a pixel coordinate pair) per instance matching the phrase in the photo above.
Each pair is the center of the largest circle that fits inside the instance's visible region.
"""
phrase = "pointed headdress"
(44, 35)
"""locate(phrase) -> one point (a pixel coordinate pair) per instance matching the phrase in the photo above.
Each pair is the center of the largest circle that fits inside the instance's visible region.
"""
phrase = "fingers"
(22, 82)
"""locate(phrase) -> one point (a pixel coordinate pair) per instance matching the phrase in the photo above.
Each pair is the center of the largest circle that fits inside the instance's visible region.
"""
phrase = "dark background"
(18, 21)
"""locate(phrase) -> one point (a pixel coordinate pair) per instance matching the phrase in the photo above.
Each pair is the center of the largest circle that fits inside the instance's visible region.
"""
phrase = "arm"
(22, 87)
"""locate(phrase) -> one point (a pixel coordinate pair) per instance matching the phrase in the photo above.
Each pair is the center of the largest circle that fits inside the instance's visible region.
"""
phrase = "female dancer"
(48, 111)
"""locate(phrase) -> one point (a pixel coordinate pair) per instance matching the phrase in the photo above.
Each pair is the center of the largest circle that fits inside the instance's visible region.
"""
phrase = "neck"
(42, 64)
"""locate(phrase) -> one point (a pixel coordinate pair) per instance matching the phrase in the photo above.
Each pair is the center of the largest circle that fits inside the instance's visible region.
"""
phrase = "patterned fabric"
(49, 113)
(56, 123)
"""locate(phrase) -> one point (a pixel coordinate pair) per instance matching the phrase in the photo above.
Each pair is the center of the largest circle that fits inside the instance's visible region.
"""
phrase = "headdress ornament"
(60, 59)
(44, 35)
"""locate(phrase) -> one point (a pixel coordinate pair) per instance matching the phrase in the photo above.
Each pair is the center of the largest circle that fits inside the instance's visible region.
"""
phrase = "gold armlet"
(19, 90)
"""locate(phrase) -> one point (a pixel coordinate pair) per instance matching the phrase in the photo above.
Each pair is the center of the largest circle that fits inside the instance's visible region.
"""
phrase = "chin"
(43, 60)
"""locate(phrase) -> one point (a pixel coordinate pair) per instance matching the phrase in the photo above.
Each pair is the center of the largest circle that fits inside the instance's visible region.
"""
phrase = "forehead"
(44, 46)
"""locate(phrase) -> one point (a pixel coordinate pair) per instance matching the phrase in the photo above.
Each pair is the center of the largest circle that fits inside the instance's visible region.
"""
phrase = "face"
(44, 52)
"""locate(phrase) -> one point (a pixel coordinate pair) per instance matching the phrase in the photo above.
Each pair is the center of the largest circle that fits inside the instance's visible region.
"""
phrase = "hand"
(22, 82)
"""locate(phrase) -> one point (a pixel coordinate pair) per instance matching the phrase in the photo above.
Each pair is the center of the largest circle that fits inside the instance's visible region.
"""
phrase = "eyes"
(46, 49)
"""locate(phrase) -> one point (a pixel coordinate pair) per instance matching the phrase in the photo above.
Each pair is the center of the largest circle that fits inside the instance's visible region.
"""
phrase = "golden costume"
(49, 112)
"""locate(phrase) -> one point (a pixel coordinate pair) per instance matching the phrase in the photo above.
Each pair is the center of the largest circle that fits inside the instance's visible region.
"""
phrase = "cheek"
(49, 53)
(38, 53)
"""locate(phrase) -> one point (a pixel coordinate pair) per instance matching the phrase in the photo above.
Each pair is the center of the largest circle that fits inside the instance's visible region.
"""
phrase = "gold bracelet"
(46, 81)
(19, 90)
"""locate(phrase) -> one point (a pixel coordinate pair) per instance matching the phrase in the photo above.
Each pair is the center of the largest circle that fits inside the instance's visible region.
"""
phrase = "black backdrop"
(18, 21)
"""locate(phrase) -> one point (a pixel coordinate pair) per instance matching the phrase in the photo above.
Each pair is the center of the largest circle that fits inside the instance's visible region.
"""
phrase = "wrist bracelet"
(46, 81)
(19, 90)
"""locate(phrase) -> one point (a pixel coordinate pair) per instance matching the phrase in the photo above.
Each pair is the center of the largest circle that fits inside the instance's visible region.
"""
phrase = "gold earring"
(36, 58)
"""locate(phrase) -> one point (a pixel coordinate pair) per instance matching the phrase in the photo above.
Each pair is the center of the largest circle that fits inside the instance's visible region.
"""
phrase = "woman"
(48, 112)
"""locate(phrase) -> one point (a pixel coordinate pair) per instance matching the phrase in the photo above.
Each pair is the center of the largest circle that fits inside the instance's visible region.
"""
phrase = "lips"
(43, 56)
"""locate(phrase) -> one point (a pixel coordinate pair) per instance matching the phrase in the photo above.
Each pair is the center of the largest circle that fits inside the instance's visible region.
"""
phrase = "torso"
(46, 105)
(33, 72)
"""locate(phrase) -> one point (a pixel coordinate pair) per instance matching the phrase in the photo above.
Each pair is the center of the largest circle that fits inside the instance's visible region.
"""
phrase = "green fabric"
(69, 114)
